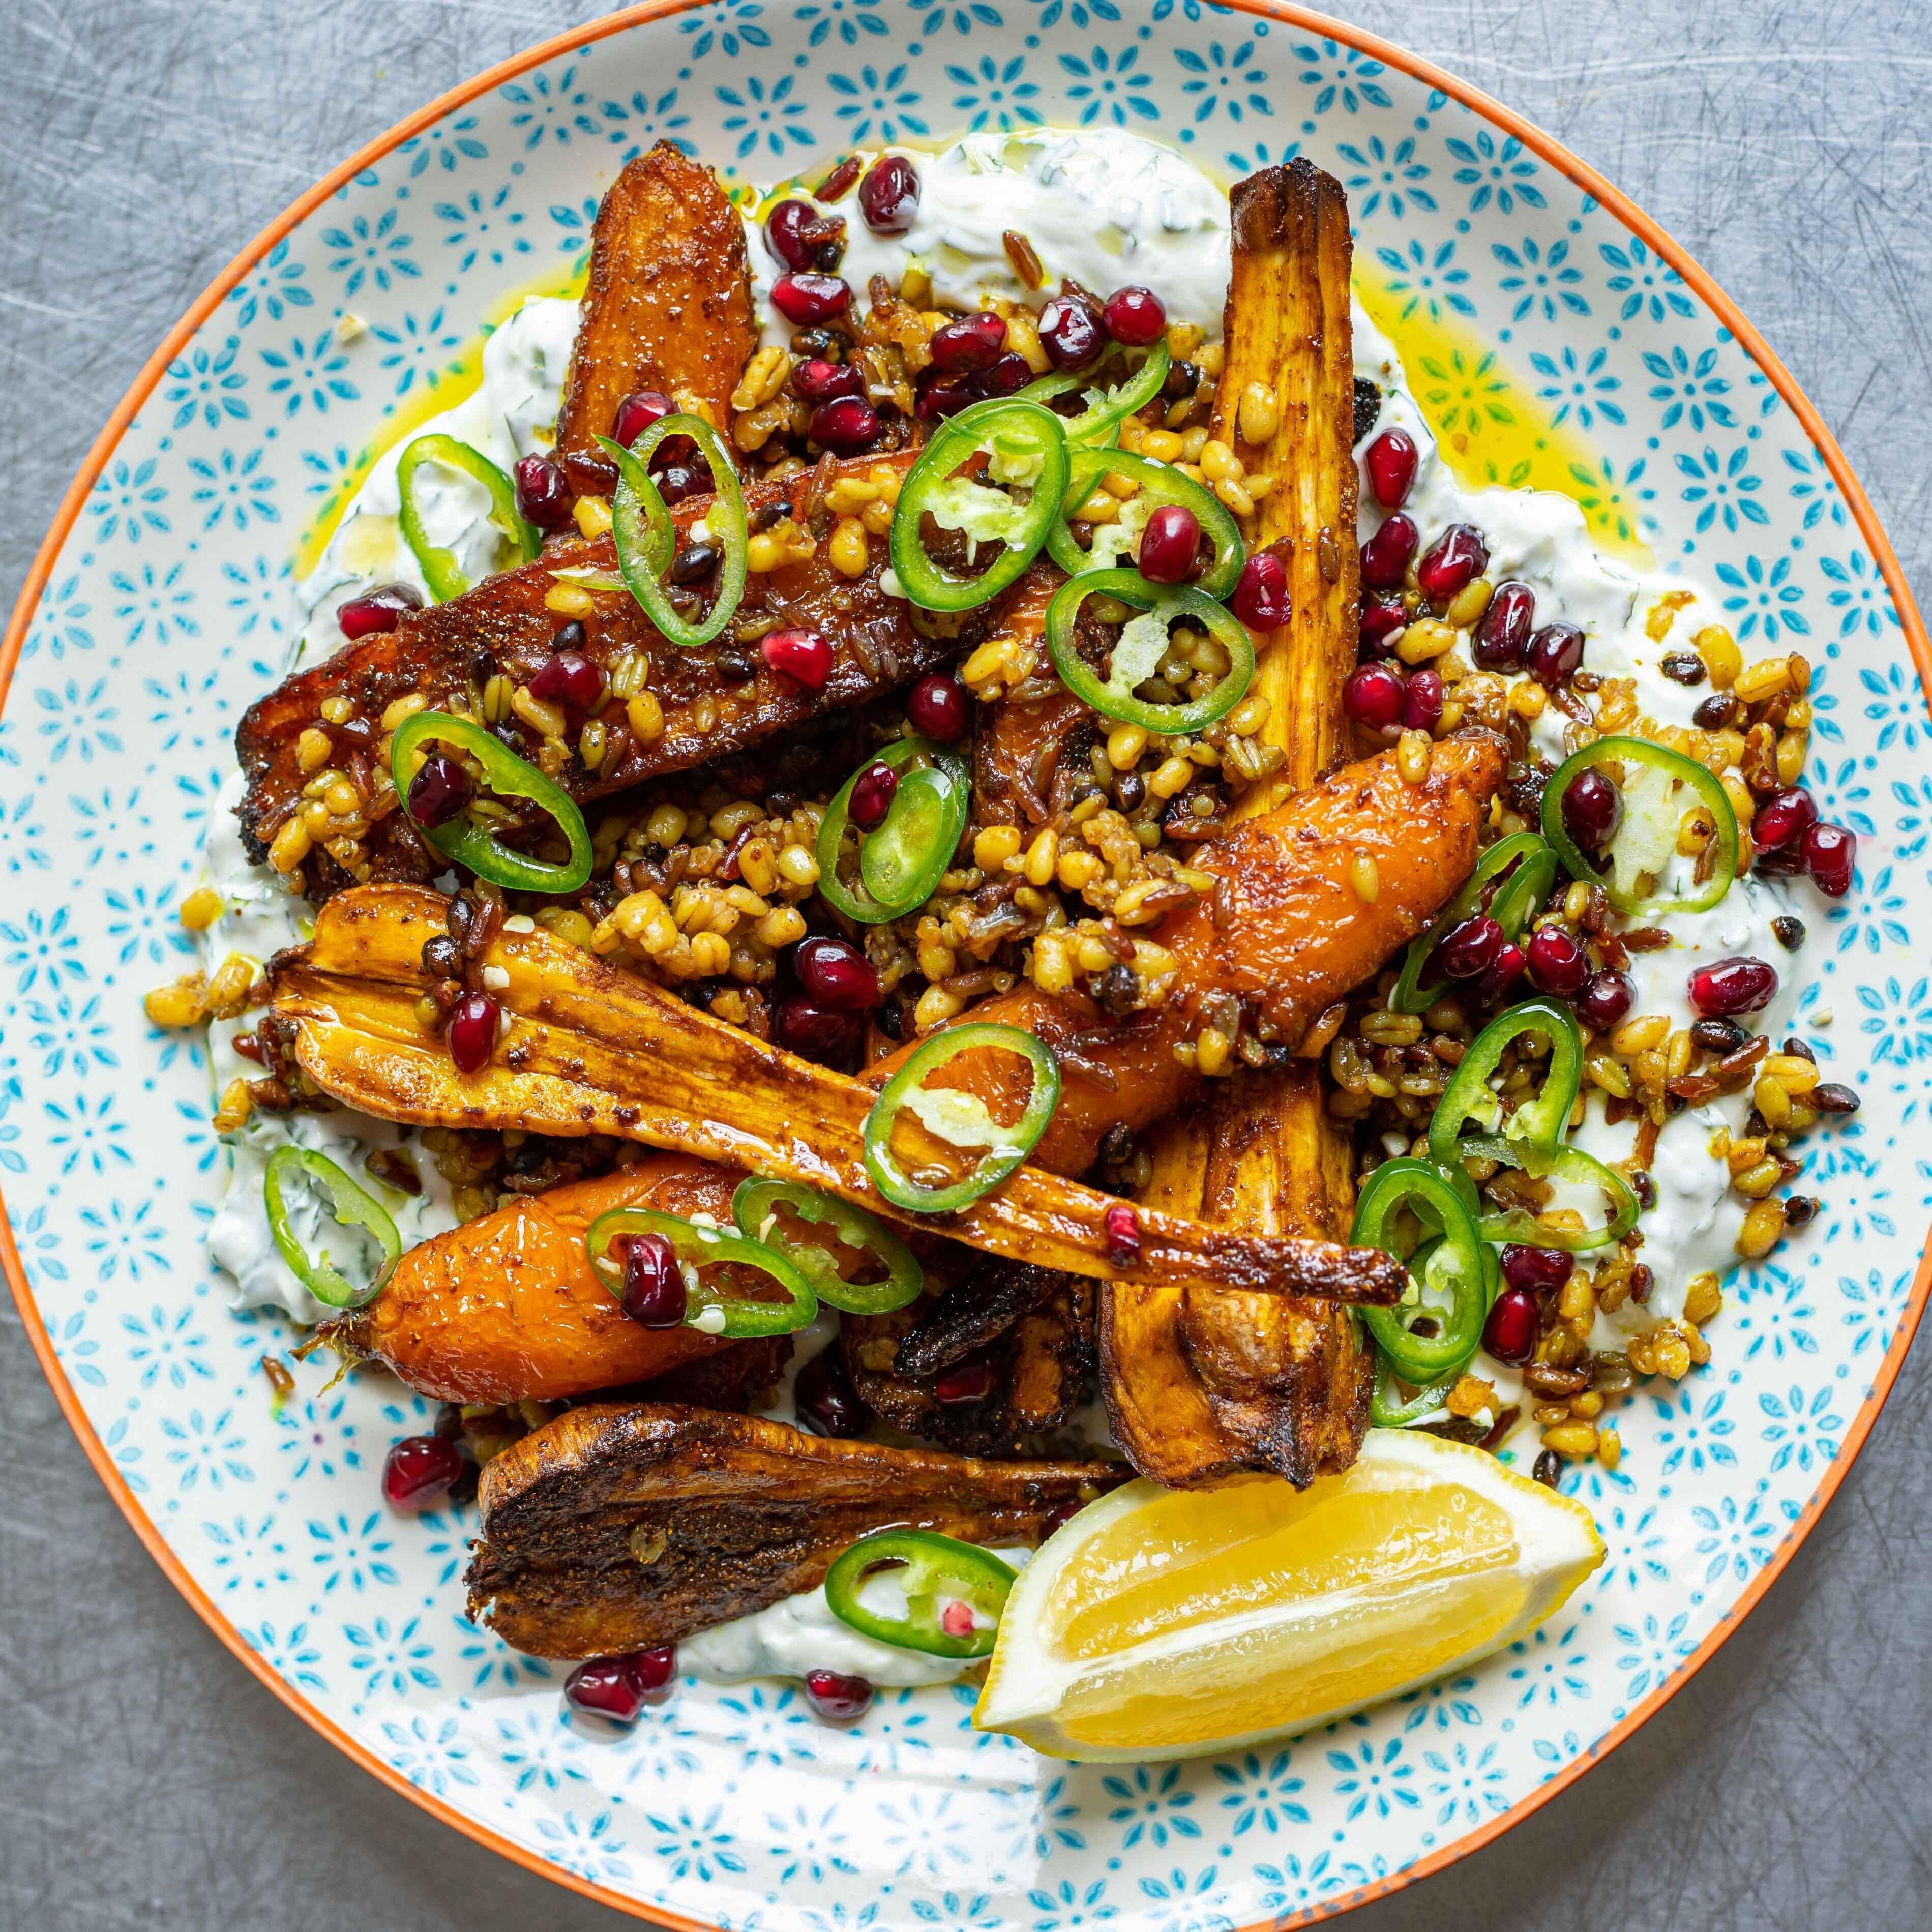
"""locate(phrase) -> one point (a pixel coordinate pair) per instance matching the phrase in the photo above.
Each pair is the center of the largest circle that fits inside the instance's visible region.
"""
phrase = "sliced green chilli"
(647, 539)
(698, 1246)
(1513, 901)
(1448, 1251)
(351, 1204)
(1160, 483)
(933, 1571)
(959, 1118)
(1533, 1134)
(1025, 446)
(898, 864)
(1646, 841)
(759, 1207)
(1099, 423)
(441, 571)
(1572, 1168)
(463, 840)
(1142, 643)
(1387, 1409)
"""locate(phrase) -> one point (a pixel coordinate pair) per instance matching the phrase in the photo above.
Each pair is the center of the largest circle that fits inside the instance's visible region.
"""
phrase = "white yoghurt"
(800, 1633)
(510, 415)
(1541, 538)
(1105, 207)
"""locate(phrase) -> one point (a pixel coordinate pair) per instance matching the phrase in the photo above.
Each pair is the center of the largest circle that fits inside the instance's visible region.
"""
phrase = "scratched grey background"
(145, 1779)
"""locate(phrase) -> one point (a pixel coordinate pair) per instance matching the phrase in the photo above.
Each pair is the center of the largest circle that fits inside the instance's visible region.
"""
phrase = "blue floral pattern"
(166, 609)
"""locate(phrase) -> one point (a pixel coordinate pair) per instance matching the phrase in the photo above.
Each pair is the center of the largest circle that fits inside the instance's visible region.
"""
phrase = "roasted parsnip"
(1200, 1382)
(616, 1528)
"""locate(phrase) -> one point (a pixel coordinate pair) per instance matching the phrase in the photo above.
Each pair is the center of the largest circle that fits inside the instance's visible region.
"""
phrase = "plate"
(1551, 324)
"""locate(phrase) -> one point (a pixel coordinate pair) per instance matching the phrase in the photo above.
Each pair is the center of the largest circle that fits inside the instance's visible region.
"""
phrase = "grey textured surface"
(146, 1779)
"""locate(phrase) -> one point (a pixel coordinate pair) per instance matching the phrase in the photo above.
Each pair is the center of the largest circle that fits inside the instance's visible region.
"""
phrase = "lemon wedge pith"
(1164, 1623)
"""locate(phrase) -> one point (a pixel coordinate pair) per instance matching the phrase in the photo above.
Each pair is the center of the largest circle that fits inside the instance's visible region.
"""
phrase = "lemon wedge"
(1167, 1623)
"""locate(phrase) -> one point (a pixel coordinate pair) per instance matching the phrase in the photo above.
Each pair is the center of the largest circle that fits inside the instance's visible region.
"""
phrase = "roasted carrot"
(507, 1306)
(669, 306)
(1299, 926)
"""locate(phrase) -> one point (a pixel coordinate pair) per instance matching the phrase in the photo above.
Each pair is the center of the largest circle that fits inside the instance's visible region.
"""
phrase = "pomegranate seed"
(945, 397)
(1057, 1519)
(472, 1032)
(1785, 815)
(824, 1398)
(1171, 545)
(806, 299)
(677, 480)
(1503, 635)
(1498, 980)
(1734, 985)
(1593, 808)
(1471, 948)
(818, 381)
(618, 1687)
(810, 1029)
(1260, 597)
(1554, 652)
(1422, 712)
(973, 342)
(966, 1381)
(1122, 1227)
(1452, 562)
(1830, 856)
(788, 235)
(654, 1291)
(419, 1471)
(802, 655)
(937, 708)
(1514, 1327)
(440, 790)
(654, 1667)
(836, 974)
(1528, 1269)
(845, 426)
(956, 1619)
(1382, 622)
(1556, 961)
(1385, 556)
(889, 195)
(1135, 316)
(1071, 332)
(1606, 999)
(836, 1697)
(1780, 862)
(637, 412)
(1006, 376)
(872, 796)
(544, 494)
(379, 610)
(1375, 695)
(570, 679)
(1391, 459)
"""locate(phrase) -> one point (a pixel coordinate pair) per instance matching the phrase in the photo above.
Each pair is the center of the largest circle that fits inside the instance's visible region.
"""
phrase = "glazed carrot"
(507, 1306)
(1318, 895)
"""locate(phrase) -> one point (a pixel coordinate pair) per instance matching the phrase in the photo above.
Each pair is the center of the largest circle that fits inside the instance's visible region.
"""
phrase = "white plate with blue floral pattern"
(156, 609)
